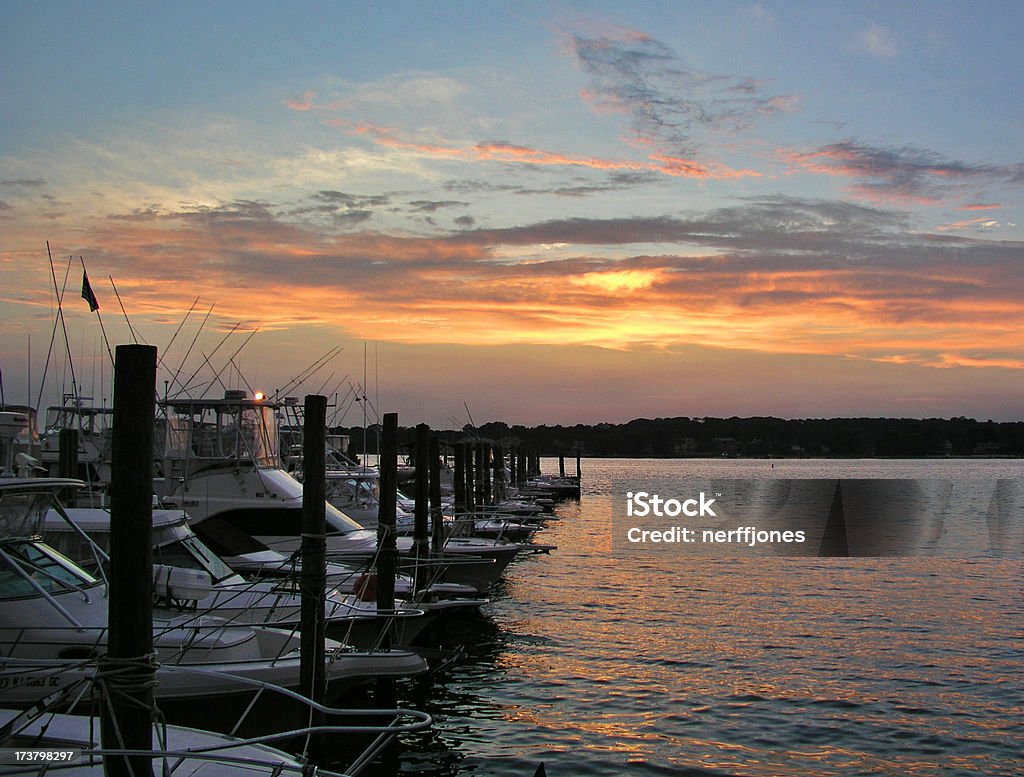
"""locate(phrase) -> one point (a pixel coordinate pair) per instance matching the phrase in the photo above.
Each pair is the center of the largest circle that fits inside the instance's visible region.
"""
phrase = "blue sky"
(563, 212)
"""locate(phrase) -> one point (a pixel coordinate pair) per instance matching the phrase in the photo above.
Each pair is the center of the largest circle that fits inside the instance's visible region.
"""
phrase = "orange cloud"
(500, 151)
(926, 305)
(302, 103)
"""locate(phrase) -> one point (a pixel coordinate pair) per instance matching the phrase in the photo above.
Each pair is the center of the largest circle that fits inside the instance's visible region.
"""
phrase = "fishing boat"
(189, 576)
(54, 612)
(221, 460)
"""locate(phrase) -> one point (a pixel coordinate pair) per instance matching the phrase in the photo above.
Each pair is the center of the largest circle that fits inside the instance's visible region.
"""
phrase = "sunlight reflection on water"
(598, 664)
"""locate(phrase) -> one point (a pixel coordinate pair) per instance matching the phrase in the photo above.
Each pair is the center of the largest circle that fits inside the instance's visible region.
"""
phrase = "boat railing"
(387, 723)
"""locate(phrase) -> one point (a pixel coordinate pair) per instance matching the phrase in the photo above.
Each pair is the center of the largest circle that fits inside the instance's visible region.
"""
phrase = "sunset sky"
(547, 212)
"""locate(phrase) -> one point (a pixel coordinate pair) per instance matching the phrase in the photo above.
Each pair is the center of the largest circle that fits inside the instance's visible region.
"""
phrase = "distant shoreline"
(753, 438)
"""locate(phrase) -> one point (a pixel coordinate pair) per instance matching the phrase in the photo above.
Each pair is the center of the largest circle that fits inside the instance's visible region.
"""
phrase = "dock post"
(312, 637)
(561, 465)
(488, 472)
(67, 463)
(421, 549)
(387, 553)
(500, 491)
(467, 457)
(459, 482)
(436, 515)
(480, 473)
(130, 662)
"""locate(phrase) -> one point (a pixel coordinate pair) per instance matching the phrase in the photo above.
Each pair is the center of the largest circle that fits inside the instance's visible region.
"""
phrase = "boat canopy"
(240, 430)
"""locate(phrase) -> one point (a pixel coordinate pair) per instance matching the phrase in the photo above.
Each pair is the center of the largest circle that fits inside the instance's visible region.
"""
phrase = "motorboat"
(221, 459)
(55, 612)
(188, 575)
(254, 560)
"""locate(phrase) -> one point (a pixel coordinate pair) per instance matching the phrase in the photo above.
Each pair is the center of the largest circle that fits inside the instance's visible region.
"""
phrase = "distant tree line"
(752, 437)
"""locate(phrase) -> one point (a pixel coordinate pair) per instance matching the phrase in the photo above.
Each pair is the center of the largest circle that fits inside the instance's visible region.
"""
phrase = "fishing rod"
(223, 340)
(230, 358)
(311, 370)
(202, 324)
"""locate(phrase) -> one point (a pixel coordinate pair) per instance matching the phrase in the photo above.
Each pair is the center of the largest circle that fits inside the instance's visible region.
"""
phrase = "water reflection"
(606, 664)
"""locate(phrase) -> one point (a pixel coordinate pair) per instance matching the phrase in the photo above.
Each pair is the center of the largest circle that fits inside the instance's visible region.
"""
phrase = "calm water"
(602, 663)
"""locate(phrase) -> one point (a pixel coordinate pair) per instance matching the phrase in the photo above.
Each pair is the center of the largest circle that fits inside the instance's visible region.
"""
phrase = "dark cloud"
(351, 216)
(237, 211)
(431, 206)
(903, 171)
(342, 208)
(31, 183)
(798, 224)
(350, 200)
(668, 102)
(465, 221)
(471, 186)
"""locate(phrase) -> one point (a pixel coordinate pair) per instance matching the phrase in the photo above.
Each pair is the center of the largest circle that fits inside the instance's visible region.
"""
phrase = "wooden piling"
(499, 473)
(480, 474)
(421, 550)
(468, 458)
(67, 463)
(130, 664)
(436, 514)
(387, 551)
(487, 470)
(312, 673)
(561, 465)
(459, 484)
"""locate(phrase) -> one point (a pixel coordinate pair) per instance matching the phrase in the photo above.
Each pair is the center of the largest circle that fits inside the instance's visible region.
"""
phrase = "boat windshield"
(191, 553)
(24, 562)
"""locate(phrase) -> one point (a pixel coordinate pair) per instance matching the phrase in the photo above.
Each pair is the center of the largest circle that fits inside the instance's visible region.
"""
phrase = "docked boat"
(53, 615)
(222, 461)
(189, 576)
(50, 740)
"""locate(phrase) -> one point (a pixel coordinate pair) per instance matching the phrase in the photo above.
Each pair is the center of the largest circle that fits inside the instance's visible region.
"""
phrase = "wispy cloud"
(303, 102)
(905, 173)
(670, 105)
(977, 225)
(878, 41)
(511, 153)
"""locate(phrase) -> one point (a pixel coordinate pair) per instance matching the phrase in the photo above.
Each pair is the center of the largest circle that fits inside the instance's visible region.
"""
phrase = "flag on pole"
(87, 293)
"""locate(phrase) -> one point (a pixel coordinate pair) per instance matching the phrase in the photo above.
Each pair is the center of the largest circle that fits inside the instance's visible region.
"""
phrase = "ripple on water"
(599, 665)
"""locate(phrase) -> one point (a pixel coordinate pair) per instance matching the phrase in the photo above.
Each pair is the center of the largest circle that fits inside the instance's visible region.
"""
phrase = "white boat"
(53, 611)
(188, 575)
(222, 460)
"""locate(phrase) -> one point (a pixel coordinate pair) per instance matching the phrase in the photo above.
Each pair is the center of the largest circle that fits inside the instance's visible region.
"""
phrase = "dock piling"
(387, 549)
(313, 679)
(421, 549)
(129, 665)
